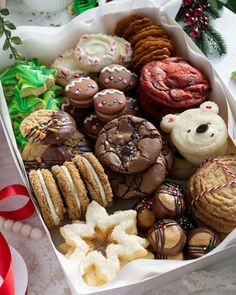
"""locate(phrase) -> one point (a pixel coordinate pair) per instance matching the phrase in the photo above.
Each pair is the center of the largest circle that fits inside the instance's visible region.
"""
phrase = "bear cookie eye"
(111, 78)
(104, 102)
(189, 131)
(115, 100)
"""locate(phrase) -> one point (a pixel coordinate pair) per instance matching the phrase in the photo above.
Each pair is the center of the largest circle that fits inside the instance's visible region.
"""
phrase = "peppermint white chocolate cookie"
(68, 68)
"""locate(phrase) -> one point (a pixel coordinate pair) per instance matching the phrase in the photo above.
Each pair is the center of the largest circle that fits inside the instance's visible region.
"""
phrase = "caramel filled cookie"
(128, 144)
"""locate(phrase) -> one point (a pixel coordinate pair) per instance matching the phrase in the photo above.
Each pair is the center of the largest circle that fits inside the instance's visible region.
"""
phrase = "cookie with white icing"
(92, 126)
(94, 51)
(80, 92)
(115, 76)
(68, 68)
(109, 104)
(48, 196)
(124, 51)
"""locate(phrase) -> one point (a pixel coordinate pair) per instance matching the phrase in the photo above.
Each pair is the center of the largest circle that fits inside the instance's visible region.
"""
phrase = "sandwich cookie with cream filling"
(72, 188)
(94, 178)
(48, 196)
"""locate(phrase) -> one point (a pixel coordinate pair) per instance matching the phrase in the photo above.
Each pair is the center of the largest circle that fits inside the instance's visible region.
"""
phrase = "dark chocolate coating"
(57, 130)
(145, 216)
(128, 144)
(169, 201)
(167, 237)
(200, 241)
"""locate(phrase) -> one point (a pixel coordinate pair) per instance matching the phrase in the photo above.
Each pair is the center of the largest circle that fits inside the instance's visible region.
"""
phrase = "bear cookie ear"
(209, 106)
(168, 122)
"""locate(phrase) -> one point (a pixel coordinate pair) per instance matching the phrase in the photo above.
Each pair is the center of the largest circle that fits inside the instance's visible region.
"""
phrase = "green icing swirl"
(22, 107)
(20, 140)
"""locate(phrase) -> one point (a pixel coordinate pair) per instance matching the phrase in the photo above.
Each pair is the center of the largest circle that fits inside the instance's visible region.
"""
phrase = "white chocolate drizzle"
(90, 118)
(73, 83)
(115, 68)
(107, 91)
(52, 209)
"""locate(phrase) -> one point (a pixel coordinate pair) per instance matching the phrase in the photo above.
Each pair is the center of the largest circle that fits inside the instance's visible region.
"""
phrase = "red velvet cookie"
(109, 104)
(80, 92)
(175, 83)
(128, 144)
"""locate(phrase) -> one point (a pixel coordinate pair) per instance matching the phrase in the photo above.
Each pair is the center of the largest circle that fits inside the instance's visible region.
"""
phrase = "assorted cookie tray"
(124, 135)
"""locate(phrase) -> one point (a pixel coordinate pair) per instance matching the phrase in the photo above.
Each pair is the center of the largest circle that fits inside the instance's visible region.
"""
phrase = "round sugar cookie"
(124, 51)
(94, 51)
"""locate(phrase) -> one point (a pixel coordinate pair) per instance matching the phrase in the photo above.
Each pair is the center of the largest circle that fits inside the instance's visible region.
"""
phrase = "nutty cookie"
(128, 144)
(48, 127)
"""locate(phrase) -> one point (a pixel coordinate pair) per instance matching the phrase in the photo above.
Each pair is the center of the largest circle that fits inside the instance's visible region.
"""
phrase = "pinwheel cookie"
(103, 242)
(211, 192)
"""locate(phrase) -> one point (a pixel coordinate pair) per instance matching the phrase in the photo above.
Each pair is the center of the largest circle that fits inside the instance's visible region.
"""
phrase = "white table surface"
(45, 275)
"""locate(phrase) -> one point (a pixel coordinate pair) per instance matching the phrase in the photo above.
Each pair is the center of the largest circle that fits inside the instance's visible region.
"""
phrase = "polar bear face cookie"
(197, 133)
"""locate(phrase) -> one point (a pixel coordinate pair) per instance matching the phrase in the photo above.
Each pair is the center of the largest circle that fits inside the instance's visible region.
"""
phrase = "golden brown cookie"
(95, 179)
(48, 196)
(148, 52)
(135, 27)
(151, 30)
(211, 192)
(149, 38)
(155, 55)
(72, 188)
(124, 22)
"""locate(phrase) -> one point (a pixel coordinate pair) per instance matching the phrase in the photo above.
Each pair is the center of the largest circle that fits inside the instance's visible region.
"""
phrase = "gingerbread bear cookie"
(197, 133)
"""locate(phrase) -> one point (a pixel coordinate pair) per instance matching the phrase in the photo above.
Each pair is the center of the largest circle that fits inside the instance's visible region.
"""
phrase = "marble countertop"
(45, 274)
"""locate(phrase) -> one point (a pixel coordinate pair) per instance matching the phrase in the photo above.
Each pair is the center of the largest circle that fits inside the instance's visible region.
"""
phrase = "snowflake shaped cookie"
(104, 241)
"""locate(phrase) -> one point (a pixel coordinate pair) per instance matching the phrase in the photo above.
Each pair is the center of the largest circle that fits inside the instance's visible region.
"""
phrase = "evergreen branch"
(214, 10)
(5, 27)
(206, 49)
(216, 41)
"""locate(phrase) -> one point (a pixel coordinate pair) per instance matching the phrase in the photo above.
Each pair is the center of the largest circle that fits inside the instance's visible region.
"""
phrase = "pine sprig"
(5, 29)
(195, 17)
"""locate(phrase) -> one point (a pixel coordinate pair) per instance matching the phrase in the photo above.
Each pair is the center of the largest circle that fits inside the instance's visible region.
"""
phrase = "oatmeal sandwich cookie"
(94, 178)
(72, 188)
(48, 196)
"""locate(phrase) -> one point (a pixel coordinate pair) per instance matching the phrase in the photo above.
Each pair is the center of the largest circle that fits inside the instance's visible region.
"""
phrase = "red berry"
(189, 11)
(195, 33)
(204, 19)
(187, 2)
(191, 21)
(197, 11)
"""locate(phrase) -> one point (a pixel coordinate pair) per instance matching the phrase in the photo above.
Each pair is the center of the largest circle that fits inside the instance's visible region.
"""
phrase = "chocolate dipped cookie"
(167, 237)
(128, 144)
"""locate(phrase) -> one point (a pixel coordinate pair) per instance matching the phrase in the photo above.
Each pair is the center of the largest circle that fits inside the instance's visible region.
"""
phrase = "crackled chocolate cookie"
(128, 144)
(48, 127)
(142, 184)
(168, 201)
(200, 241)
(167, 237)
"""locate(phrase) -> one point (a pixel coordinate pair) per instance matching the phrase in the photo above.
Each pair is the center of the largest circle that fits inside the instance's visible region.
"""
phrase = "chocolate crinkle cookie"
(128, 144)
